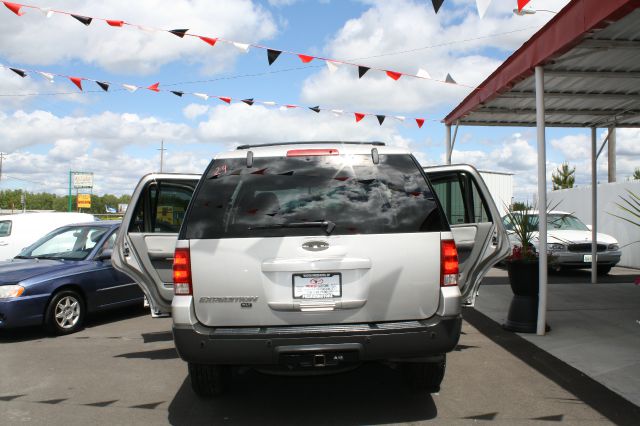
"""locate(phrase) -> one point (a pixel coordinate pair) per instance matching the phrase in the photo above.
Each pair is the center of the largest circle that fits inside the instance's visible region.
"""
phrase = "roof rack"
(310, 143)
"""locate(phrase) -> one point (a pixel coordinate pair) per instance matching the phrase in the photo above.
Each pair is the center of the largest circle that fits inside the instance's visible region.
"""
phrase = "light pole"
(526, 11)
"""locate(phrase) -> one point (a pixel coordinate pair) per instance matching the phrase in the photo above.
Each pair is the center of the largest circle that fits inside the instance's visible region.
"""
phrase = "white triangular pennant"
(423, 73)
(482, 7)
(130, 87)
(337, 111)
(201, 96)
(146, 29)
(46, 75)
(333, 67)
(244, 47)
(400, 117)
(46, 11)
(269, 103)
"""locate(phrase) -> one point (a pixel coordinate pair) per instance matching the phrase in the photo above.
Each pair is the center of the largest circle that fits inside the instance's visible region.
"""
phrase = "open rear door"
(475, 223)
(147, 238)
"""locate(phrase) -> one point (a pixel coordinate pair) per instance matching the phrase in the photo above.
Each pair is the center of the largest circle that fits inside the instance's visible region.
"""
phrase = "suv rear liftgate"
(314, 256)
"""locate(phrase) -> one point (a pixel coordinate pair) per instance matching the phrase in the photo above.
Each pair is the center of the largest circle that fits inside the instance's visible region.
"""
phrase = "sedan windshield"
(555, 221)
(67, 243)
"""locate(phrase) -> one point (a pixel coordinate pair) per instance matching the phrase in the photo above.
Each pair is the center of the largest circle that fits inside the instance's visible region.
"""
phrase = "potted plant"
(523, 270)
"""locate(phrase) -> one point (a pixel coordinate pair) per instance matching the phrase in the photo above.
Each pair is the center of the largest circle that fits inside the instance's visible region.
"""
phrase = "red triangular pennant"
(305, 58)
(394, 75)
(77, 81)
(522, 3)
(154, 87)
(115, 23)
(15, 8)
(359, 116)
(208, 40)
(420, 122)
(223, 99)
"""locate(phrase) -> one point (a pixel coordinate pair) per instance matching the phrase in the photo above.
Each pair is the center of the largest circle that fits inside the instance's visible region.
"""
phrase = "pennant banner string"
(156, 87)
(272, 54)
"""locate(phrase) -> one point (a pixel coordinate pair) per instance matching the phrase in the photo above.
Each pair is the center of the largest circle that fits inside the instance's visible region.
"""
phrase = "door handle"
(125, 250)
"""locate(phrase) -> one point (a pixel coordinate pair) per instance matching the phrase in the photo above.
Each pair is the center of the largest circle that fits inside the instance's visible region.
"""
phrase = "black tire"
(65, 313)
(209, 380)
(603, 270)
(425, 376)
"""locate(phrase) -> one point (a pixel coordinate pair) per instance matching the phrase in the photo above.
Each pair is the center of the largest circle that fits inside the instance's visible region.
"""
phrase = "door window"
(161, 207)
(460, 198)
(5, 228)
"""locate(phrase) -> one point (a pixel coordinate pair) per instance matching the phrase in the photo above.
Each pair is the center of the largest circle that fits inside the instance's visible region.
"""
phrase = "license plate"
(588, 258)
(317, 286)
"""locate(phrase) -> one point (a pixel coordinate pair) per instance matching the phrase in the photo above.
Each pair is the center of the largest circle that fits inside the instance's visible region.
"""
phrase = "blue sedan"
(63, 276)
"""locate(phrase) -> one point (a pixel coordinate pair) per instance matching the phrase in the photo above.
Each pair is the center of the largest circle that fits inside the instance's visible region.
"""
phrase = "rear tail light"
(182, 272)
(448, 263)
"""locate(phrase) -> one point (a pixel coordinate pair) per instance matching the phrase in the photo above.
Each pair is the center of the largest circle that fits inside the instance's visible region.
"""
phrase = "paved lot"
(594, 327)
(123, 369)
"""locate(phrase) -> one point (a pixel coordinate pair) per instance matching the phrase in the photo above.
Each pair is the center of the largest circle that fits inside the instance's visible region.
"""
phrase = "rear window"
(359, 197)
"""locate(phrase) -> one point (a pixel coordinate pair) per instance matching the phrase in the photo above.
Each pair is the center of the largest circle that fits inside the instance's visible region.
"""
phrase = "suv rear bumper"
(268, 345)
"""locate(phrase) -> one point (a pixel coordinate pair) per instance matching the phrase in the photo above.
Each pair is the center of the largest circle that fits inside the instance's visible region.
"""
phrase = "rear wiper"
(326, 224)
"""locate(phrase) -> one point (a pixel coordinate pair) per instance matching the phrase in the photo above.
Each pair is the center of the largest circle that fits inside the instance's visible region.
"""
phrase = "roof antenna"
(374, 156)
(249, 159)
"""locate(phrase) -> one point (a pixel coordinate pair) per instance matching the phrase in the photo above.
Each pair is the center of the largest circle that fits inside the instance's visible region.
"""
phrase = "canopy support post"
(447, 148)
(542, 203)
(612, 154)
(594, 210)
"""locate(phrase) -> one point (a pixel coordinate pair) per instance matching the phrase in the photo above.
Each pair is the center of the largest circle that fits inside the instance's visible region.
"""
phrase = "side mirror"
(105, 255)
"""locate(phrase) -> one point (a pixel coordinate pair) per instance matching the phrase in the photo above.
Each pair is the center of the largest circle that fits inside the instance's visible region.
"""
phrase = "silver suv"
(312, 257)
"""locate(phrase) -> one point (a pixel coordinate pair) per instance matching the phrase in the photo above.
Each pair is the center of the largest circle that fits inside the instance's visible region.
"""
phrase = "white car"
(18, 231)
(312, 257)
(569, 242)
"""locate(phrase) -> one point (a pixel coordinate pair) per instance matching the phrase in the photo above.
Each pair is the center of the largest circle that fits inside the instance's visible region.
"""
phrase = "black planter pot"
(523, 311)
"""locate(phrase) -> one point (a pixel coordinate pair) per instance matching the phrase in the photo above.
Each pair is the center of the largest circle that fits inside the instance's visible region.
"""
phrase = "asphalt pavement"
(123, 369)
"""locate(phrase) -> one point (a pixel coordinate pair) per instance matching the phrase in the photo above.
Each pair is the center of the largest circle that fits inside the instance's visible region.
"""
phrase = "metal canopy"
(590, 52)
(582, 69)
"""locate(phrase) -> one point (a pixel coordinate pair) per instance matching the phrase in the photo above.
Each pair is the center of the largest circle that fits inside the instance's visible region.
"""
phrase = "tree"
(636, 174)
(519, 206)
(563, 177)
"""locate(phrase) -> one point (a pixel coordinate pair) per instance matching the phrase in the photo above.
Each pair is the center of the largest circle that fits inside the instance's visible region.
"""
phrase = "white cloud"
(240, 124)
(193, 111)
(424, 40)
(24, 129)
(35, 40)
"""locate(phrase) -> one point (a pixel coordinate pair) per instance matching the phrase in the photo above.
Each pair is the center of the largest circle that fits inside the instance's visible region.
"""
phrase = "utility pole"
(2, 155)
(162, 150)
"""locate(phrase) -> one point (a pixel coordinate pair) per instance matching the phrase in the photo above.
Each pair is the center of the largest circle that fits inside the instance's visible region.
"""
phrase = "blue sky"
(116, 134)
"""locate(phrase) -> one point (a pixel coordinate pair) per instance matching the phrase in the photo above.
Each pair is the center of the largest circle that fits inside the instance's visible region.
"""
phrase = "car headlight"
(613, 247)
(13, 290)
(556, 247)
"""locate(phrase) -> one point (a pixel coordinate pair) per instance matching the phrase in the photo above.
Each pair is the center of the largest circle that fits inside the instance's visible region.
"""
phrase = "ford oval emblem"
(315, 245)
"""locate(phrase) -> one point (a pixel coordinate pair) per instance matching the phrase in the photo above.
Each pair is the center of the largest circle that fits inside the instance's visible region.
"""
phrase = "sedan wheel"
(65, 313)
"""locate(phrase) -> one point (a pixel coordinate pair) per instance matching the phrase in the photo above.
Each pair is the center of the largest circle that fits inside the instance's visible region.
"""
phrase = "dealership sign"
(82, 180)
(84, 201)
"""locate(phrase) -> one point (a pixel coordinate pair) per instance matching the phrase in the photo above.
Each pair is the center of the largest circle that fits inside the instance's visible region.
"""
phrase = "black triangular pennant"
(437, 4)
(19, 72)
(177, 93)
(272, 55)
(362, 71)
(381, 118)
(103, 85)
(84, 19)
(248, 101)
(179, 33)
(315, 108)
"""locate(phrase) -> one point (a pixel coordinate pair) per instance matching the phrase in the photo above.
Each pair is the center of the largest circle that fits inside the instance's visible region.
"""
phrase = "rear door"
(475, 223)
(147, 238)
